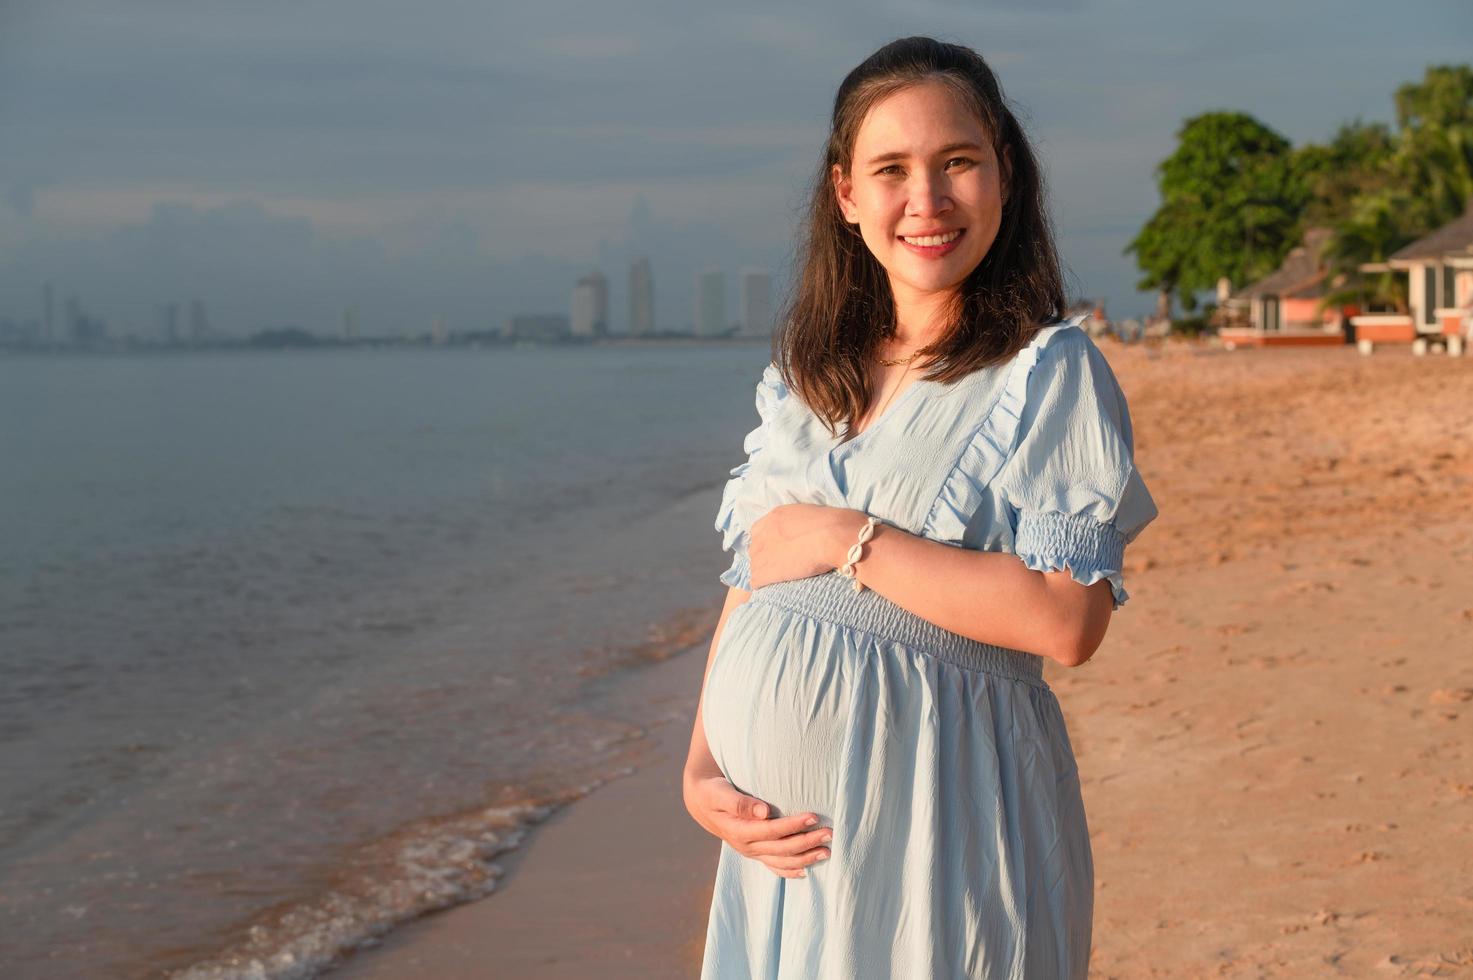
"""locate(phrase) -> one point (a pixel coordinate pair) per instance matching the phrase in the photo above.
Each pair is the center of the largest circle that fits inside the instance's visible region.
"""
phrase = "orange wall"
(1304, 312)
(1387, 332)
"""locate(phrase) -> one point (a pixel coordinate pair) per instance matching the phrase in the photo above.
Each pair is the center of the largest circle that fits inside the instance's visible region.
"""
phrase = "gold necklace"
(892, 362)
(881, 411)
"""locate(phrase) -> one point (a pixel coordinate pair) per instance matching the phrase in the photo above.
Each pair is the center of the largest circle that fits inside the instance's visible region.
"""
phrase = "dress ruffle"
(1045, 540)
(1048, 541)
(770, 393)
(989, 448)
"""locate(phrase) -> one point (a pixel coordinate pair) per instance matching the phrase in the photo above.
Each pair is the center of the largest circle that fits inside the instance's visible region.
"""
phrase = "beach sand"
(1274, 740)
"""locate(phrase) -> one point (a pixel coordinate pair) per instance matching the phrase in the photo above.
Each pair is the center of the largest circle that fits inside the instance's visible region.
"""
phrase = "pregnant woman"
(938, 498)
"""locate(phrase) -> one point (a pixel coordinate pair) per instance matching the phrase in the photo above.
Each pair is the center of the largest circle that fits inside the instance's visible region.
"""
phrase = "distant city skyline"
(588, 317)
(281, 169)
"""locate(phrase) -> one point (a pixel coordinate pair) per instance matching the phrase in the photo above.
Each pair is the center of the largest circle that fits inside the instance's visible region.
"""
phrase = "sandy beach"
(1274, 739)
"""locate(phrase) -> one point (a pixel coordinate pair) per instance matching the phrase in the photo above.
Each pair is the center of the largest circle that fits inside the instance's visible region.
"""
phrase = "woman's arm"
(988, 596)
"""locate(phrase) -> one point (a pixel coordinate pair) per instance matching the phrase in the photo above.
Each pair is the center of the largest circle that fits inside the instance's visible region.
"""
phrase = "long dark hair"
(841, 308)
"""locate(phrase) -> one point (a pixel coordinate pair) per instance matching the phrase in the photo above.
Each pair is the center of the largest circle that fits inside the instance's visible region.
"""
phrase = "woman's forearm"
(700, 762)
(987, 596)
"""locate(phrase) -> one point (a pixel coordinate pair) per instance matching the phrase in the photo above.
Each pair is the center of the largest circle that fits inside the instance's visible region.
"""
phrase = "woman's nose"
(928, 196)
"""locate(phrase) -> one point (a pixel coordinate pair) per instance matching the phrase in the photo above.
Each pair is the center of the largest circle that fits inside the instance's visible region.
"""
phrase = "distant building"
(591, 306)
(1284, 307)
(1439, 268)
(349, 330)
(710, 303)
(23, 334)
(641, 298)
(84, 330)
(169, 322)
(48, 314)
(199, 322)
(756, 302)
(537, 326)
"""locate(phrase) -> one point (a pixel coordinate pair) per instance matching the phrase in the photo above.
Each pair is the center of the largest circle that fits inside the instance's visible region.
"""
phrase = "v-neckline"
(890, 410)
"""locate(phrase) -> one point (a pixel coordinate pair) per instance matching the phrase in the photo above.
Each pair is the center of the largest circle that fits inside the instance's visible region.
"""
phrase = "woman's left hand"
(798, 540)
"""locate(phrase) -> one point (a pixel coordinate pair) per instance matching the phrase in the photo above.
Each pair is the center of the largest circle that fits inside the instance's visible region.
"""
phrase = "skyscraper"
(591, 306)
(756, 303)
(169, 317)
(710, 302)
(199, 321)
(641, 298)
(48, 321)
(76, 324)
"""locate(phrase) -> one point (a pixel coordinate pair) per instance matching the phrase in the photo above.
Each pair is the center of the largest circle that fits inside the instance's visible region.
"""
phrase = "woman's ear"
(844, 194)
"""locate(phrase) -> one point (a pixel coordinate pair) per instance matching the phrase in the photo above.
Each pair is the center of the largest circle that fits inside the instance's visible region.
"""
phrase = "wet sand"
(1274, 740)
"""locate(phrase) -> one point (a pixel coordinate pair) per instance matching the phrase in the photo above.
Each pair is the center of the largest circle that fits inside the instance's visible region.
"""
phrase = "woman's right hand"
(786, 845)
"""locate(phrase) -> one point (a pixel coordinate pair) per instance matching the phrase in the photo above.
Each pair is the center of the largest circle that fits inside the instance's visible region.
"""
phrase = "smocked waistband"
(831, 598)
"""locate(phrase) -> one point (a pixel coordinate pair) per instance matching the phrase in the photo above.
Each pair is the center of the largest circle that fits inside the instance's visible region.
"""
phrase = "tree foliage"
(1235, 197)
(1423, 181)
(1435, 152)
(1357, 160)
(1230, 202)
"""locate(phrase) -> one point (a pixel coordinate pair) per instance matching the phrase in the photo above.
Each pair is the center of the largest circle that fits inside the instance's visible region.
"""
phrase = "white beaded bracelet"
(856, 552)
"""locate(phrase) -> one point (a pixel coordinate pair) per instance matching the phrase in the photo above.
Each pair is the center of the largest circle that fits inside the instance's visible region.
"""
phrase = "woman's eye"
(896, 166)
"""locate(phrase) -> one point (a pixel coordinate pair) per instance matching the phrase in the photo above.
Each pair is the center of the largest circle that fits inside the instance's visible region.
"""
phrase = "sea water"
(294, 643)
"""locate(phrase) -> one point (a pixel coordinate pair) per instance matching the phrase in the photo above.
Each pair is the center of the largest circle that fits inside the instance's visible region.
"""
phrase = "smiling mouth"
(932, 241)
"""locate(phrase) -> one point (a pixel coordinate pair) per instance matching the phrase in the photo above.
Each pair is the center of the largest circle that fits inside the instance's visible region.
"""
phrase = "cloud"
(536, 127)
(20, 197)
(590, 45)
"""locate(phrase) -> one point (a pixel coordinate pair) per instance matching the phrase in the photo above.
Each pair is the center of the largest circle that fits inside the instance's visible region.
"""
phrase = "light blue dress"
(960, 843)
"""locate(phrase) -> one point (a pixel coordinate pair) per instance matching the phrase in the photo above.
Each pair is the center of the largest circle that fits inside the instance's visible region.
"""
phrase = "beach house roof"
(1453, 238)
(1300, 276)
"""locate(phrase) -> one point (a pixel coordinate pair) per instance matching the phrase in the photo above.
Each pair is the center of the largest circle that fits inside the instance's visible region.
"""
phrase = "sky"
(283, 160)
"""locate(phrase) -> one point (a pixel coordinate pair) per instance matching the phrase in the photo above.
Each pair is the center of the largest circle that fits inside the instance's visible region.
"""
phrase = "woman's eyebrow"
(900, 155)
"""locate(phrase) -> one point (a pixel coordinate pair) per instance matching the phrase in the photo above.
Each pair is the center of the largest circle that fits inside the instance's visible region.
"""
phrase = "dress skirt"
(944, 768)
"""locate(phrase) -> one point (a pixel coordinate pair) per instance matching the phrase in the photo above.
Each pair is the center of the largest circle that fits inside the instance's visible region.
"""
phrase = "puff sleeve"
(770, 393)
(1070, 486)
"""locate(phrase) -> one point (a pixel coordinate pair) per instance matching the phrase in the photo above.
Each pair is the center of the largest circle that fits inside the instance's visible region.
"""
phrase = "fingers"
(790, 857)
(757, 829)
(795, 846)
(796, 867)
(787, 846)
(738, 804)
(755, 816)
(740, 819)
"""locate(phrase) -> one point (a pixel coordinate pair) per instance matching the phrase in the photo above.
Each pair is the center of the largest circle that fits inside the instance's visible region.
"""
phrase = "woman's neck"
(919, 318)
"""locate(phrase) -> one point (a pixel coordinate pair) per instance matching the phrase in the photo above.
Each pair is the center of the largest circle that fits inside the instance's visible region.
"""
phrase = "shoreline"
(464, 853)
(615, 884)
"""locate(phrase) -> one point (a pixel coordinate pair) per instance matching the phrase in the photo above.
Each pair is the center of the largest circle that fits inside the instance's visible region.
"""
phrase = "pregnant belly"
(776, 708)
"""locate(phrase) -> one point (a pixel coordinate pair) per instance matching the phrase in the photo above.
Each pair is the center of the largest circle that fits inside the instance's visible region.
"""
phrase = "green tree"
(1357, 161)
(1377, 223)
(1435, 153)
(1399, 191)
(1231, 200)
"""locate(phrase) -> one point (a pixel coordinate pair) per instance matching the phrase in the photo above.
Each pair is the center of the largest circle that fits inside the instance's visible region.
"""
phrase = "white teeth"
(934, 239)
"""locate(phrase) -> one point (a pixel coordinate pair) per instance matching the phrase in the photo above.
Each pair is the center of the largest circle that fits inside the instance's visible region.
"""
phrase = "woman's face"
(923, 166)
